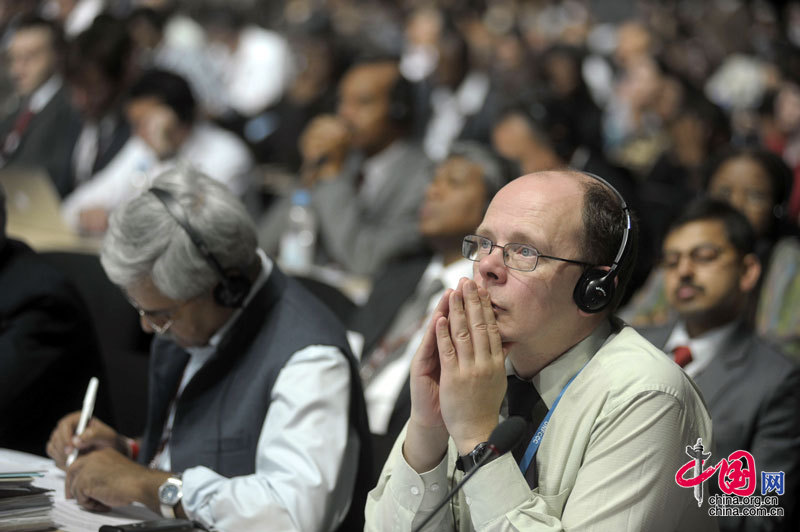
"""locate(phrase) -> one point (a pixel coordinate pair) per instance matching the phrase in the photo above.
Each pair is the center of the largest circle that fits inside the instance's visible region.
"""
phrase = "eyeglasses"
(520, 257)
(698, 255)
(158, 320)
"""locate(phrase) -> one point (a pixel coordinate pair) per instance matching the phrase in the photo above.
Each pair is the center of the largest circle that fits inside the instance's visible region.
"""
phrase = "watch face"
(170, 494)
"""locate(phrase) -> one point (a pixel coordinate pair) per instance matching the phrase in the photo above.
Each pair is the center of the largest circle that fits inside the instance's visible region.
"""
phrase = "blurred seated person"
(699, 130)
(255, 412)
(48, 350)
(42, 130)
(253, 64)
(75, 16)
(99, 70)
(174, 42)
(161, 109)
(366, 177)
(710, 268)
(407, 289)
(758, 183)
(312, 92)
(461, 98)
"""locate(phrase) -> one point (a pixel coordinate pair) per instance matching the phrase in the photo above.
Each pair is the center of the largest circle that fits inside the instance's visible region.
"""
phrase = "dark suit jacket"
(48, 140)
(753, 395)
(392, 287)
(48, 350)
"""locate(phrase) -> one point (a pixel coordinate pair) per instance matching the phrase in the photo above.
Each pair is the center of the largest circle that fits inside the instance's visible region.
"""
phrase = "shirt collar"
(552, 378)
(42, 96)
(703, 347)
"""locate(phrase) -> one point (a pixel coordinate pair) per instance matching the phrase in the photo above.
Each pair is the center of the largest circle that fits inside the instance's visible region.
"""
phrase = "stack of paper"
(23, 506)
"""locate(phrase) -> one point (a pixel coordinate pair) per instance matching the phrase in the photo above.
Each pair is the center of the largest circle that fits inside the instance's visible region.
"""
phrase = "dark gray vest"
(221, 411)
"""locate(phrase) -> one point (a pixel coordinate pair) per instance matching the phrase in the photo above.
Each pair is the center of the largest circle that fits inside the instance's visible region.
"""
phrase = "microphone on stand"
(503, 438)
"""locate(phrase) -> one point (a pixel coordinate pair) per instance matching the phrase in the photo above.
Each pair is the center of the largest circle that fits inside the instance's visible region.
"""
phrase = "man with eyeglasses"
(255, 413)
(752, 390)
(608, 415)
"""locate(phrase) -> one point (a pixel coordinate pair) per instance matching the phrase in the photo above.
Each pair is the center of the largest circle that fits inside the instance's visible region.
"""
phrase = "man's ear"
(751, 272)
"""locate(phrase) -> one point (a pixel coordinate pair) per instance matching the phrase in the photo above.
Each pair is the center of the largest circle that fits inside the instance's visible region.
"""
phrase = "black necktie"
(525, 401)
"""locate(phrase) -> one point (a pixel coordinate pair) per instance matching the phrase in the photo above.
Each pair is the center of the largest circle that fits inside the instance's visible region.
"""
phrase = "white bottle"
(298, 243)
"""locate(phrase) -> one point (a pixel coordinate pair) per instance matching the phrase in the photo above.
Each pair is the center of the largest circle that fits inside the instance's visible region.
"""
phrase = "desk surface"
(66, 513)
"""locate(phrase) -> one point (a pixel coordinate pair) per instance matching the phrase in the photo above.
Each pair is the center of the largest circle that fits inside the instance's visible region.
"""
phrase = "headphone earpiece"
(233, 288)
(594, 290)
(596, 287)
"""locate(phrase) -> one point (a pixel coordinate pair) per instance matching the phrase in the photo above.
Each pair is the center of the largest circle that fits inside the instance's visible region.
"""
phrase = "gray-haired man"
(254, 413)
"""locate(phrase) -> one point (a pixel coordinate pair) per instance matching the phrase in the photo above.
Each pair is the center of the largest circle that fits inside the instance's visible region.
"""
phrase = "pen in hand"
(86, 415)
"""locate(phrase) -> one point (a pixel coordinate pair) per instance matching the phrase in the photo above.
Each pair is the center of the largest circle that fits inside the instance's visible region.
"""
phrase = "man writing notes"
(255, 410)
(552, 257)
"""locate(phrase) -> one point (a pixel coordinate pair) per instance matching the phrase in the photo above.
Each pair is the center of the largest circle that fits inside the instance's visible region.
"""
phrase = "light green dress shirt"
(607, 461)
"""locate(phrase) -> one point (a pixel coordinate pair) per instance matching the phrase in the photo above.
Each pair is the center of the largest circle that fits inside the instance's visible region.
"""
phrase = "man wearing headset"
(255, 414)
(532, 335)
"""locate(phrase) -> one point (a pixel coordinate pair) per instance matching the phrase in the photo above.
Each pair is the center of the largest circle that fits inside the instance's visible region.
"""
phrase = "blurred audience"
(162, 112)
(757, 183)
(366, 177)
(99, 69)
(42, 130)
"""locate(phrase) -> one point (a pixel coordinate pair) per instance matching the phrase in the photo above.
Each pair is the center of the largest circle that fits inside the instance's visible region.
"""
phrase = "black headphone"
(232, 288)
(595, 289)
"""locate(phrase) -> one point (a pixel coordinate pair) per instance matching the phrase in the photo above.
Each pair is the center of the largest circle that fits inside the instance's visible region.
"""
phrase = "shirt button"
(469, 501)
(414, 490)
(434, 487)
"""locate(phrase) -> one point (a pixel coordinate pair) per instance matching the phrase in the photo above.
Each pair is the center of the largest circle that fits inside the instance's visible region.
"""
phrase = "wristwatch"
(169, 495)
(467, 462)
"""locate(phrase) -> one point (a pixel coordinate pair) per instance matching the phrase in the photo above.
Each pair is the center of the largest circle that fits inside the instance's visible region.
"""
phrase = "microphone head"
(507, 434)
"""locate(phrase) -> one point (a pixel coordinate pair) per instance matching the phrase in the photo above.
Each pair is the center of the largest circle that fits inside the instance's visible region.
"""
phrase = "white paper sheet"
(66, 513)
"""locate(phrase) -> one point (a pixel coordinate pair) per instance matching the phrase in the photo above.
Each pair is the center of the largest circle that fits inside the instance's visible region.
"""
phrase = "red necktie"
(683, 355)
(11, 142)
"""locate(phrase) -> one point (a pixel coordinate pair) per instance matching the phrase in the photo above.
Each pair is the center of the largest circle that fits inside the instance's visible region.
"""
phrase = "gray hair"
(494, 176)
(144, 240)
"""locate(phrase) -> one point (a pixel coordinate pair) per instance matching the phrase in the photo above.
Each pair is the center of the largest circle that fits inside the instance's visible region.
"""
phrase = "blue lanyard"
(533, 446)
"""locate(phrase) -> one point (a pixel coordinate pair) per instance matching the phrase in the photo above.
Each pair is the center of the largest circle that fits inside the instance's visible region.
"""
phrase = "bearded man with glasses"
(608, 416)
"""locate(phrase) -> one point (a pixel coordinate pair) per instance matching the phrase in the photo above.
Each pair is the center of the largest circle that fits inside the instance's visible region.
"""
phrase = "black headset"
(233, 287)
(595, 288)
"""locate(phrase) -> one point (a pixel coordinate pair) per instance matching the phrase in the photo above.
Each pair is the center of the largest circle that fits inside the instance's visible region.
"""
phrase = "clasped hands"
(458, 378)
(102, 476)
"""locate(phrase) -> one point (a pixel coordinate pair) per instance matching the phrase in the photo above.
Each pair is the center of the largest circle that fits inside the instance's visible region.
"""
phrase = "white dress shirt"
(382, 391)
(209, 148)
(449, 112)
(256, 74)
(42, 96)
(703, 347)
(307, 453)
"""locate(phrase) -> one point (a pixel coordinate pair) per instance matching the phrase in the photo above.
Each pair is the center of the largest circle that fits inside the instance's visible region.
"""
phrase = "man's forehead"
(697, 232)
(536, 207)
